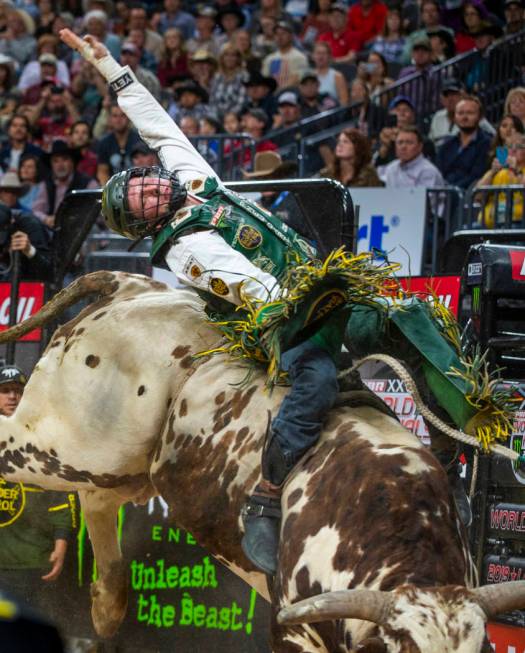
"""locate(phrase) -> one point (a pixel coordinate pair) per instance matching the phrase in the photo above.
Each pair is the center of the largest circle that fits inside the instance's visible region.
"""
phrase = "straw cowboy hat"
(269, 165)
(26, 19)
(11, 182)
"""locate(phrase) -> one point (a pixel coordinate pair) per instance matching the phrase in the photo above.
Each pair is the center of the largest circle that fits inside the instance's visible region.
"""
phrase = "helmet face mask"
(132, 186)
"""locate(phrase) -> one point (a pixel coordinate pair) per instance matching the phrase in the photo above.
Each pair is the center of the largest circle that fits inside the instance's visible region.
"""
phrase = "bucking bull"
(118, 409)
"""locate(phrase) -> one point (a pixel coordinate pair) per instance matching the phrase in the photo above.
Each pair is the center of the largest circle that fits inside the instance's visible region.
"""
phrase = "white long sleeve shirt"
(215, 258)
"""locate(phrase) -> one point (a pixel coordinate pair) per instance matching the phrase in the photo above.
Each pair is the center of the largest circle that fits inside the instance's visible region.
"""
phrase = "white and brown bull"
(118, 409)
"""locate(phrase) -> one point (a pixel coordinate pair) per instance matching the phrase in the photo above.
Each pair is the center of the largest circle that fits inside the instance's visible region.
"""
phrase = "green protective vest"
(258, 235)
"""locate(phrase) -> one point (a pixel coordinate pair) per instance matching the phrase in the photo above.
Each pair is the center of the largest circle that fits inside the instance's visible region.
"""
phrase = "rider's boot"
(261, 514)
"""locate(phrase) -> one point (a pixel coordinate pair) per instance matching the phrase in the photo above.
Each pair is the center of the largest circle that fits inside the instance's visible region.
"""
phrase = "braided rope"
(426, 413)
(474, 479)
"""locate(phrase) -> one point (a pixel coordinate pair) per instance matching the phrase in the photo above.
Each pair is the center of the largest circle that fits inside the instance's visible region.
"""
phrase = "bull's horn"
(370, 605)
(504, 597)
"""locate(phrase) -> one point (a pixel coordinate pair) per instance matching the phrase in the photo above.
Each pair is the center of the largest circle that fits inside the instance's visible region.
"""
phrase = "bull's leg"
(109, 593)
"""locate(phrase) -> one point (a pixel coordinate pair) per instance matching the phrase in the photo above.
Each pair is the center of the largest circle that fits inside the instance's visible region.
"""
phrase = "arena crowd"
(235, 72)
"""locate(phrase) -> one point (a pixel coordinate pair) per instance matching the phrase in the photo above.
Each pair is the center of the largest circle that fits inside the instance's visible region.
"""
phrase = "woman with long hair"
(352, 165)
(173, 63)
(374, 72)
(515, 103)
(331, 81)
(508, 126)
(227, 92)
(316, 22)
(391, 43)
(473, 15)
(242, 40)
(30, 173)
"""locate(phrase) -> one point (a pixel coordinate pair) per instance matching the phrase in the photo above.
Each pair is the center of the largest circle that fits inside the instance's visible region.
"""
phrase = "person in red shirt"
(81, 138)
(367, 18)
(344, 43)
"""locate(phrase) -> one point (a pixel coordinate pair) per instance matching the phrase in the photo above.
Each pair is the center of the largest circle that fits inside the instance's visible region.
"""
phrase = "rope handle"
(426, 413)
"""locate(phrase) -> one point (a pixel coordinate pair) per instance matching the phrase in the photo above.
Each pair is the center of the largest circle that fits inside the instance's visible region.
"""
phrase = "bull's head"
(414, 620)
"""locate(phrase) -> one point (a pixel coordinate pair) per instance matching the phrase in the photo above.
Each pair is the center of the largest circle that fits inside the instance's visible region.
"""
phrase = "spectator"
(402, 113)
(30, 173)
(17, 40)
(203, 66)
(317, 22)
(29, 237)
(96, 23)
(430, 20)
(147, 60)
(227, 91)
(331, 81)
(47, 65)
(373, 73)
(289, 110)
(54, 114)
(367, 18)
(63, 20)
(259, 90)
(370, 117)
(424, 90)
(204, 39)
(461, 158)
(114, 150)
(174, 17)
(343, 43)
(443, 124)
(410, 168)
(478, 76)
(142, 156)
(474, 15)
(442, 44)
(138, 19)
(514, 16)
(189, 126)
(391, 42)
(509, 172)
(190, 100)
(64, 178)
(508, 126)
(130, 55)
(88, 89)
(255, 123)
(264, 43)
(81, 139)
(311, 101)
(19, 143)
(242, 40)
(231, 123)
(9, 95)
(34, 544)
(229, 18)
(173, 63)
(47, 12)
(287, 64)
(352, 164)
(515, 103)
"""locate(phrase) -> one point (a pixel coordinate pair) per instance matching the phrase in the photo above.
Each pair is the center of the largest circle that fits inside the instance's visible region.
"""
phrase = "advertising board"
(30, 300)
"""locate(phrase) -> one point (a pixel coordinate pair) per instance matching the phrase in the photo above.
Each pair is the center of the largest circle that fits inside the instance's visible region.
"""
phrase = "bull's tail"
(101, 283)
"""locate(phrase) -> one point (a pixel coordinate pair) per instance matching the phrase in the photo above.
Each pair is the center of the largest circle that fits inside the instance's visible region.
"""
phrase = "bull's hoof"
(108, 608)
(261, 534)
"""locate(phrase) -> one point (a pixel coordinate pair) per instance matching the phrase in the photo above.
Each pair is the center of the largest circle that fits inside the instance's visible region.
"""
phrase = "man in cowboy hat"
(190, 100)
(64, 178)
(260, 91)
(21, 231)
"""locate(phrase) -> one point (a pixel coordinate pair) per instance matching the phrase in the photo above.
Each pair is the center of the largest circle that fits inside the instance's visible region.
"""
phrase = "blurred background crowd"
(248, 78)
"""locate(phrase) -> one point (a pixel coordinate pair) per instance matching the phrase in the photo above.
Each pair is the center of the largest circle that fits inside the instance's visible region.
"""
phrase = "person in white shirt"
(410, 168)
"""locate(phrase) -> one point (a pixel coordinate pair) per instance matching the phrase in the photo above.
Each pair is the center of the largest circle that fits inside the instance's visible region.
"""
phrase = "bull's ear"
(372, 645)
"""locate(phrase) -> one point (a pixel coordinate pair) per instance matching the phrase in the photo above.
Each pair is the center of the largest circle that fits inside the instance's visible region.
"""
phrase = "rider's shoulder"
(202, 186)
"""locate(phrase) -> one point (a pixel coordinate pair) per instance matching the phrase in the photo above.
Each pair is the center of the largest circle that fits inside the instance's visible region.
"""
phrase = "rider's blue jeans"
(313, 375)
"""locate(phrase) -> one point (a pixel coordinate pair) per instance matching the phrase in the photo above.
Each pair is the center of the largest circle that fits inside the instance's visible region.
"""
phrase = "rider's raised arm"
(153, 123)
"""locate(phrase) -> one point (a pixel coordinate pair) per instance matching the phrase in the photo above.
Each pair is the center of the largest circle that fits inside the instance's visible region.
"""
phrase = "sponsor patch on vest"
(324, 305)
(248, 237)
(193, 268)
(217, 216)
(264, 263)
(12, 502)
(121, 82)
(218, 286)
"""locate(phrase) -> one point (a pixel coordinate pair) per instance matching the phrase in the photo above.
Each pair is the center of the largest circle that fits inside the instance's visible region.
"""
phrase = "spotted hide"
(118, 409)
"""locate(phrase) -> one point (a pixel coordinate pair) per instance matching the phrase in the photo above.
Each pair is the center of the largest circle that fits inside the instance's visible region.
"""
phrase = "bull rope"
(426, 413)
